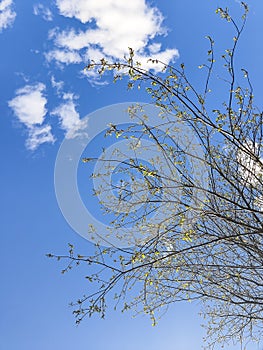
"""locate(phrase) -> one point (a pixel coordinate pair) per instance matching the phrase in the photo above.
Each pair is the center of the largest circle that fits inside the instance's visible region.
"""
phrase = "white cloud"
(39, 135)
(29, 105)
(250, 169)
(94, 78)
(7, 15)
(162, 56)
(57, 85)
(41, 10)
(69, 117)
(116, 25)
(64, 56)
(155, 48)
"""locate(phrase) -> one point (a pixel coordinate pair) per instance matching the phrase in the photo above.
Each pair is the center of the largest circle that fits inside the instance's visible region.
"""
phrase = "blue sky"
(44, 98)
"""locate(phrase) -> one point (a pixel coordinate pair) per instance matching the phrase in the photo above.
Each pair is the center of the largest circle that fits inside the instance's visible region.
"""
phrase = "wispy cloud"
(69, 117)
(116, 25)
(29, 106)
(57, 85)
(39, 135)
(7, 14)
(64, 56)
(44, 12)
